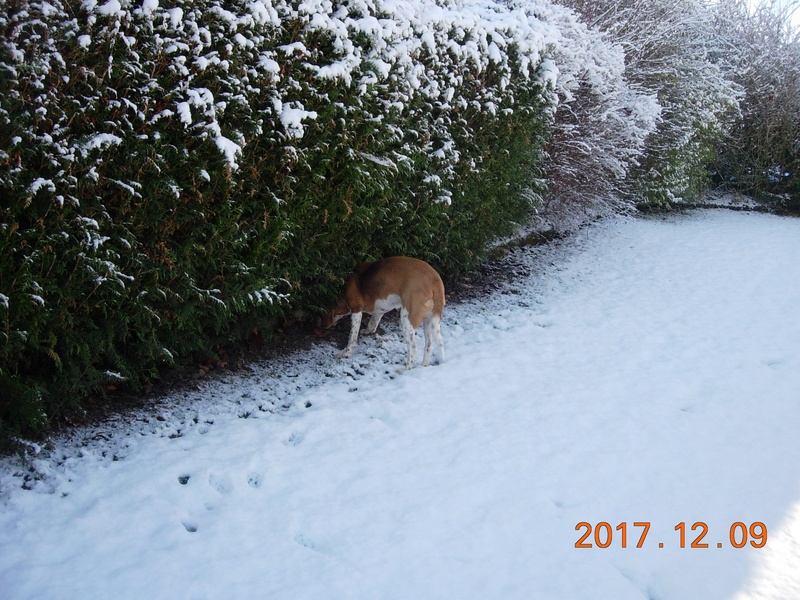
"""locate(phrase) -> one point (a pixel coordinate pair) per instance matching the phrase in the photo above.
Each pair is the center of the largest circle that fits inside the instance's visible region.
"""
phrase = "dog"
(397, 282)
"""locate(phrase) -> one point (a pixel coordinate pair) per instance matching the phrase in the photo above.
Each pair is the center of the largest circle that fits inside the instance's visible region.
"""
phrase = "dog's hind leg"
(410, 336)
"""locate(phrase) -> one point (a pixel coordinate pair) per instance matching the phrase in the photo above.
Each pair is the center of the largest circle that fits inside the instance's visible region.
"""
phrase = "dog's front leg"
(355, 325)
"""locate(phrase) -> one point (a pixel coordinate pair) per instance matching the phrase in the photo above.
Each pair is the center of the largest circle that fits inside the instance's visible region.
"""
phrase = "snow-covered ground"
(641, 371)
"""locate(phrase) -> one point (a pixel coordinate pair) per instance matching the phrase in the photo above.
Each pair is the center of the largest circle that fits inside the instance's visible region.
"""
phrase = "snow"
(101, 141)
(269, 65)
(112, 7)
(292, 116)
(149, 6)
(549, 73)
(230, 149)
(175, 16)
(41, 183)
(185, 113)
(639, 371)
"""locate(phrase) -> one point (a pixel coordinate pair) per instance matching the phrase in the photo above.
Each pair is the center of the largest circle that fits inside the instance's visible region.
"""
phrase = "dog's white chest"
(384, 305)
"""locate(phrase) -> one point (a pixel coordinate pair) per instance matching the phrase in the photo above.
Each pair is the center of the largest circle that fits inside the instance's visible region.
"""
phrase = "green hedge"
(174, 177)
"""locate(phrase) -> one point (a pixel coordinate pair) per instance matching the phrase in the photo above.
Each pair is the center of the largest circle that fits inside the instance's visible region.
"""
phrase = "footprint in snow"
(189, 526)
(305, 542)
(294, 440)
(220, 483)
(254, 480)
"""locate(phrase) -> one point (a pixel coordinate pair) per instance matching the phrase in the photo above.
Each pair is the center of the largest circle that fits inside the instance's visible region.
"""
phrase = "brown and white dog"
(401, 282)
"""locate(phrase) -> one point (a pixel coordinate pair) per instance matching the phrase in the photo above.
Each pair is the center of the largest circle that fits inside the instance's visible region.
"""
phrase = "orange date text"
(696, 535)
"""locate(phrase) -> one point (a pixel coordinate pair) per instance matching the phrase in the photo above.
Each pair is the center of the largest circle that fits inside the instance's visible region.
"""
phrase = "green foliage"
(676, 172)
(22, 407)
(174, 183)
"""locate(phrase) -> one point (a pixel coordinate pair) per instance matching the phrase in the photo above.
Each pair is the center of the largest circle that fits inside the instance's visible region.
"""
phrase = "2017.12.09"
(604, 535)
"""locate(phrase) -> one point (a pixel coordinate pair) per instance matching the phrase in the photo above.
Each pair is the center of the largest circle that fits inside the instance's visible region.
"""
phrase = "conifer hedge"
(174, 174)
